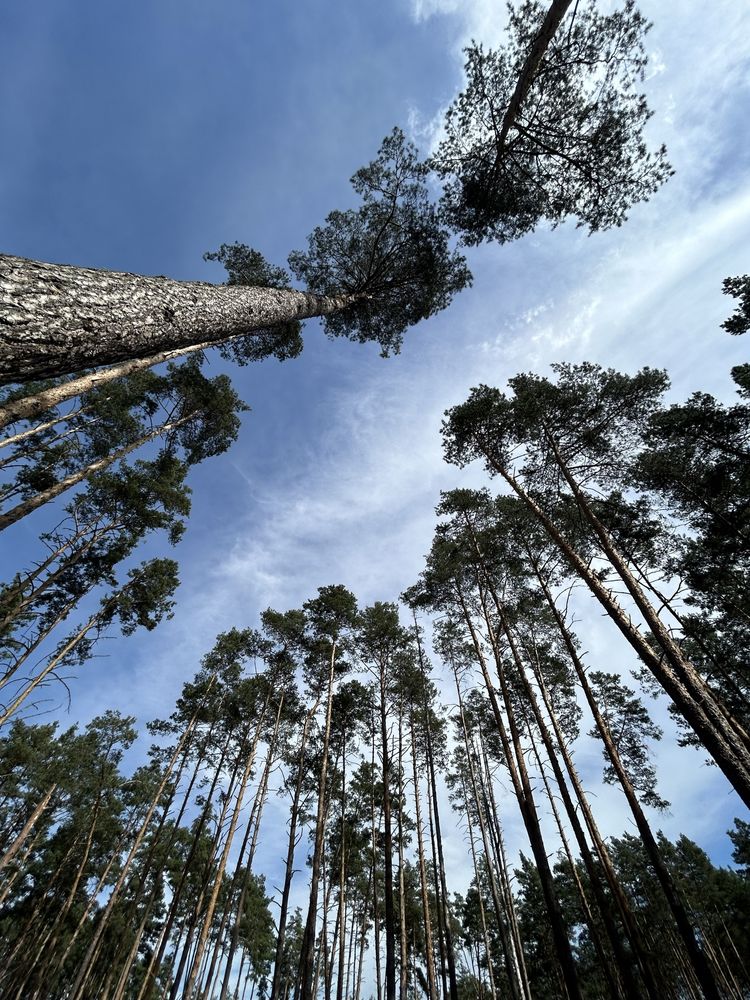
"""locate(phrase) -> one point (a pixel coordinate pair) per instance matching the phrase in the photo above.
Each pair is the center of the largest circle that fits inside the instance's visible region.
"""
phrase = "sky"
(138, 136)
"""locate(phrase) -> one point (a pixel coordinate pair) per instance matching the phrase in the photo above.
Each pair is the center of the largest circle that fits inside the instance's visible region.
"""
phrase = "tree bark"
(28, 827)
(729, 754)
(45, 496)
(56, 319)
(550, 24)
(307, 958)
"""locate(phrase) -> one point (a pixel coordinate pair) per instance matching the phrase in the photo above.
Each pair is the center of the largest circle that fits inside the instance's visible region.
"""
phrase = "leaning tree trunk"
(700, 712)
(56, 319)
(33, 503)
(28, 827)
(544, 36)
(696, 956)
(40, 402)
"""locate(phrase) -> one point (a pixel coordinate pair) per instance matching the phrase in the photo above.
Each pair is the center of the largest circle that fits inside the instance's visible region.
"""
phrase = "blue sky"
(137, 136)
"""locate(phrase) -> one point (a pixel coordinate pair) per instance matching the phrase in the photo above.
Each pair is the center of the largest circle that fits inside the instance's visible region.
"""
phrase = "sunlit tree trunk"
(60, 319)
(26, 507)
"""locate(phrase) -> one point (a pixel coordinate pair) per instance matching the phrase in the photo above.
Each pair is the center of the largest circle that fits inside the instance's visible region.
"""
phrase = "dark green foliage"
(632, 728)
(257, 930)
(738, 288)
(392, 253)
(576, 145)
(245, 266)
(697, 462)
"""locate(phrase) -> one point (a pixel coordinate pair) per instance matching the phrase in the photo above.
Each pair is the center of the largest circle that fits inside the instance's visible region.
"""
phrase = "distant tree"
(550, 125)
(579, 438)
(738, 288)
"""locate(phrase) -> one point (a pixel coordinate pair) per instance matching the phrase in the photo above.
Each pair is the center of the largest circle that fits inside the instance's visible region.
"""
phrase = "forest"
(455, 788)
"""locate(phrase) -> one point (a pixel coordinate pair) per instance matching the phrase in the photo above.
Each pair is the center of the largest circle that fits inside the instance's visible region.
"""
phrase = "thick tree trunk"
(56, 319)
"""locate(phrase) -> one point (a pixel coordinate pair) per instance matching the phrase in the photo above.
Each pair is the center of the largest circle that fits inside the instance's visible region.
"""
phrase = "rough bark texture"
(56, 319)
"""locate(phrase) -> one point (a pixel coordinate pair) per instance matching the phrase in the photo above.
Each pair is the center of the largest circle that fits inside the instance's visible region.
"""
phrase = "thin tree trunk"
(26, 602)
(544, 36)
(438, 896)
(443, 893)
(114, 895)
(651, 847)
(32, 646)
(253, 823)
(342, 879)
(27, 828)
(31, 406)
(197, 909)
(731, 758)
(514, 978)
(432, 990)
(146, 869)
(289, 864)
(621, 958)
(698, 689)
(307, 958)
(403, 955)
(206, 926)
(522, 786)
(496, 837)
(482, 917)
(45, 496)
(58, 319)
(390, 922)
(37, 429)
